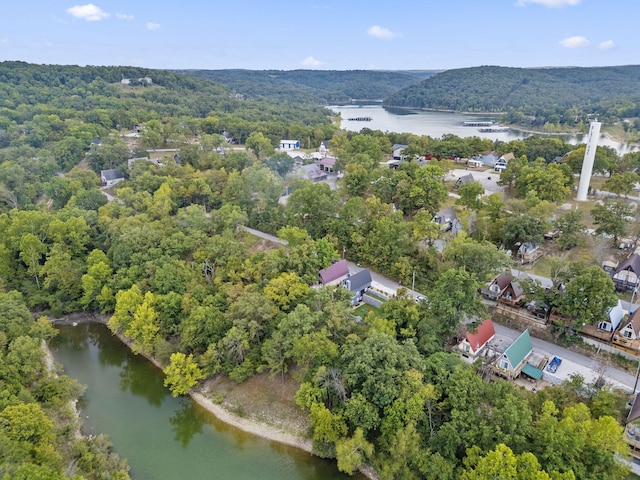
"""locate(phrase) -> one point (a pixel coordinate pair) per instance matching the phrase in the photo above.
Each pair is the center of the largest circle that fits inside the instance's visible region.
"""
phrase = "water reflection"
(176, 439)
(138, 377)
(186, 422)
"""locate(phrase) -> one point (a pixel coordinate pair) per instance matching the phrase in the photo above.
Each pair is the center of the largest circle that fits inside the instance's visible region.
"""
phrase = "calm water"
(437, 124)
(166, 438)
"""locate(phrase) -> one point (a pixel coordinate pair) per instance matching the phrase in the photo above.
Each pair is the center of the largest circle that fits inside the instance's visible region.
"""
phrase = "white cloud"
(549, 3)
(380, 32)
(124, 16)
(153, 26)
(88, 12)
(575, 42)
(311, 62)
(607, 45)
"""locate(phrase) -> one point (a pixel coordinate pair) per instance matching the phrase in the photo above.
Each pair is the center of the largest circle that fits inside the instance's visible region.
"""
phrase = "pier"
(478, 124)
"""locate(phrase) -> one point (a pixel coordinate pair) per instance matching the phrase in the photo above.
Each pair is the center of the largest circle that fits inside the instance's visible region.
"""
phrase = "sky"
(321, 34)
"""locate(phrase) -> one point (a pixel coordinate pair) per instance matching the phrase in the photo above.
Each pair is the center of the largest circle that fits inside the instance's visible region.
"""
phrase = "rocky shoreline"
(200, 396)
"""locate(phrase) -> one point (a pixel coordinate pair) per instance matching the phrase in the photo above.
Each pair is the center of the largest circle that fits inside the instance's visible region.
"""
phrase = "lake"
(437, 124)
(162, 437)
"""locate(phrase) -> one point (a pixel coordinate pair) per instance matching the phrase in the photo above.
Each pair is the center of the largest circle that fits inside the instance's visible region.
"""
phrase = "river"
(162, 437)
(437, 124)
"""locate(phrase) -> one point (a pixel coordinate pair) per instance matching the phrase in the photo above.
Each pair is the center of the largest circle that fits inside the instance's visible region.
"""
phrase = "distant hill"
(315, 86)
(532, 91)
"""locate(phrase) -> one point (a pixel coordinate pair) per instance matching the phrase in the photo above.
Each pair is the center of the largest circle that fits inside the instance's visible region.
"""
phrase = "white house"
(110, 177)
(397, 151)
(289, 144)
(616, 314)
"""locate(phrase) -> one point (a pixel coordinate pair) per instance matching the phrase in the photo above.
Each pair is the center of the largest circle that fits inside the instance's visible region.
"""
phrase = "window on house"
(504, 364)
(626, 333)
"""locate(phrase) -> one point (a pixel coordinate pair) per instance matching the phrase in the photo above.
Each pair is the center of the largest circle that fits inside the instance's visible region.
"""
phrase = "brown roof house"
(629, 335)
(473, 344)
(335, 273)
(512, 294)
(625, 277)
(497, 286)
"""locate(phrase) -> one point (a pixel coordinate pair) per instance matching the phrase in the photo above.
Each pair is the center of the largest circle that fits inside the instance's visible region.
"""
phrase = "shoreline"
(199, 396)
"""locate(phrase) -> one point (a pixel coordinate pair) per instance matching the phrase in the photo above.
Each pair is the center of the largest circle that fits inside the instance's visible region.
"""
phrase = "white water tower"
(587, 163)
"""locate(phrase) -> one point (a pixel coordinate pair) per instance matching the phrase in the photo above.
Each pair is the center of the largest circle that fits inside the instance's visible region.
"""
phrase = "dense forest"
(565, 95)
(322, 87)
(169, 262)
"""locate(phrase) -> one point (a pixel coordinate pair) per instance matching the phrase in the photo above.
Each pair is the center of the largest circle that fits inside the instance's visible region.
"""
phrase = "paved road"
(589, 368)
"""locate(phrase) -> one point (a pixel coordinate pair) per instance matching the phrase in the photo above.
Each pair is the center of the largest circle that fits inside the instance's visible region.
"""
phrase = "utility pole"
(413, 282)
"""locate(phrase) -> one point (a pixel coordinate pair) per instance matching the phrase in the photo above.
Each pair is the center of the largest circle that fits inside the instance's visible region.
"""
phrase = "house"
(505, 159)
(630, 330)
(357, 284)
(514, 358)
(298, 160)
(125, 81)
(625, 277)
(324, 147)
(473, 343)
(335, 273)
(529, 252)
(615, 316)
(145, 80)
(463, 180)
(512, 294)
(289, 144)
(327, 164)
(396, 150)
(474, 163)
(228, 137)
(497, 286)
(489, 158)
(110, 177)
(447, 219)
(313, 172)
(610, 264)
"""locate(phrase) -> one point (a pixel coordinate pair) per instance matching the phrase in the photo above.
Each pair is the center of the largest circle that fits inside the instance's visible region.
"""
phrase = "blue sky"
(321, 34)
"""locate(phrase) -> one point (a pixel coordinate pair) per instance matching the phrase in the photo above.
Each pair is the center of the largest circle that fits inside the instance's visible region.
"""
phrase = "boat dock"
(489, 123)
(360, 119)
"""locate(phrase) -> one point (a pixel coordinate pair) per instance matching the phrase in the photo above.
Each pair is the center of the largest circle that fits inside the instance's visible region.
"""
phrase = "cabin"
(512, 294)
(358, 284)
(111, 177)
(335, 273)
(625, 276)
(614, 317)
(473, 344)
(327, 164)
(489, 158)
(529, 252)
(463, 180)
(447, 219)
(631, 329)
(474, 163)
(313, 172)
(497, 286)
(397, 150)
(289, 144)
(514, 358)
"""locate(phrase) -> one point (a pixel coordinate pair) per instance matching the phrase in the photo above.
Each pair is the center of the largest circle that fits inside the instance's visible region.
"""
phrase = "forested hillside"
(168, 260)
(316, 86)
(603, 91)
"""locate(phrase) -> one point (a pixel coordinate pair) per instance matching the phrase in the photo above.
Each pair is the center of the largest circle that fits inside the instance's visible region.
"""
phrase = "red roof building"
(473, 343)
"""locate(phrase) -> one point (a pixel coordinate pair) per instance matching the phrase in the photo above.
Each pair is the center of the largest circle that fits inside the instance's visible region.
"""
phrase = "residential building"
(358, 284)
(625, 277)
(289, 144)
(473, 343)
(514, 358)
(111, 177)
(335, 273)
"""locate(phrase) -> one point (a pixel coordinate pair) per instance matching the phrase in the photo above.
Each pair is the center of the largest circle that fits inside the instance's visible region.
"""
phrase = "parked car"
(554, 364)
